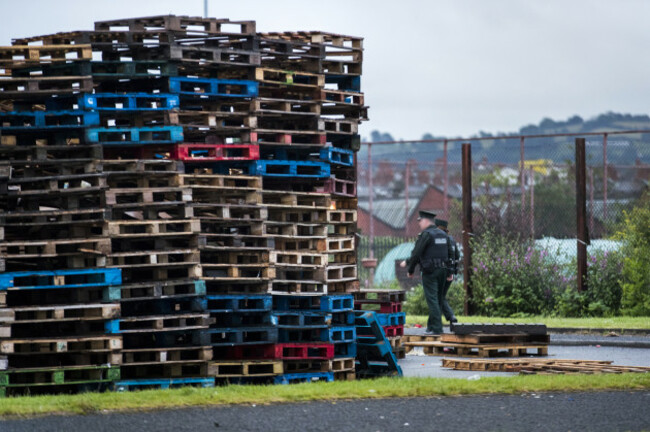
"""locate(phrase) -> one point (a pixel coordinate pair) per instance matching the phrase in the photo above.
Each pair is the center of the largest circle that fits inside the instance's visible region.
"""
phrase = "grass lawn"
(340, 390)
(606, 323)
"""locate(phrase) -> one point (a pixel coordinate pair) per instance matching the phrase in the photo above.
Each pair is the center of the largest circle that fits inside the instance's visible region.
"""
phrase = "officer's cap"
(441, 222)
(425, 214)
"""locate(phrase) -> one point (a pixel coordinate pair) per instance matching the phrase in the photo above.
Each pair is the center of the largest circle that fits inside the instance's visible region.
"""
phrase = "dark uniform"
(432, 252)
(452, 270)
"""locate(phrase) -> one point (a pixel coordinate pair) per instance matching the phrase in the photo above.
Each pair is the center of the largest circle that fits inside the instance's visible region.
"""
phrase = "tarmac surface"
(604, 411)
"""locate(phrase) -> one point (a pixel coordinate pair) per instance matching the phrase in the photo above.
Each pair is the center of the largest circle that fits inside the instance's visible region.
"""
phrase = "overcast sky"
(449, 68)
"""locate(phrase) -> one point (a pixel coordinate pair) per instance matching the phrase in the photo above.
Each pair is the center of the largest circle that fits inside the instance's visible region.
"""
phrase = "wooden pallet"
(39, 314)
(298, 287)
(61, 345)
(297, 259)
(167, 355)
(532, 365)
(480, 350)
(147, 324)
(482, 338)
(310, 365)
(162, 289)
(35, 88)
(26, 54)
(249, 368)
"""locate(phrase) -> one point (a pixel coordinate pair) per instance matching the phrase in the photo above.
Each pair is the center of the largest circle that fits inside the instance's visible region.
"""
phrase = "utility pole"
(205, 8)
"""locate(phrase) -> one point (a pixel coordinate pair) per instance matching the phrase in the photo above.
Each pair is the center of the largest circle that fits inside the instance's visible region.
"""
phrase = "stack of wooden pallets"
(214, 168)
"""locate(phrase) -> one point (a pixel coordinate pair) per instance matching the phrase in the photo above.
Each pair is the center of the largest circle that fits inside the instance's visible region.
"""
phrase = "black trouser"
(434, 285)
(444, 305)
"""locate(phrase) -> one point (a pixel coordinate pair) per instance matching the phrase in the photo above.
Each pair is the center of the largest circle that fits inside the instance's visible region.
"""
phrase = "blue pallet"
(303, 335)
(242, 336)
(344, 318)
(344, 82)
(329, 303)
(129, 101)
(380, 348)
(137, 136)
(112, 326)
(213, 87)
(165, 383)
(46, 279)
(303, 377)
(391, 319)
(287, 168)
(40, 120)
(243, 303)
(342, 334)
(345, 349)
(302, 319)
(337, 156)
(337, 303)
(373, 347)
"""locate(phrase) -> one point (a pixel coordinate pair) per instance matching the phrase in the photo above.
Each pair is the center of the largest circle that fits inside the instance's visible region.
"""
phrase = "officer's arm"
(418, 249)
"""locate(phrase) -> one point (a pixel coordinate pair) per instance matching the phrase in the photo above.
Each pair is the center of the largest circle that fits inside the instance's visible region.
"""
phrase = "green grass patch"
(340, 390)
(606, 323)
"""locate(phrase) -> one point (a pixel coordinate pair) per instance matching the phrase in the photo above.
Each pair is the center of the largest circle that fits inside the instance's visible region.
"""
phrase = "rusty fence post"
(445, 175)
(581, 213)
(467, 228)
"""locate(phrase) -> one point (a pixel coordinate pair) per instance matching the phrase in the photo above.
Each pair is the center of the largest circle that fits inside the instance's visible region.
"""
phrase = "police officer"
(432, 250)
(452, 270)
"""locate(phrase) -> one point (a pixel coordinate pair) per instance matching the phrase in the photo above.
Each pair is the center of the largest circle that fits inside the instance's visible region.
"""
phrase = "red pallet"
(339, 187)
(387, 307)
(392, 331)
(297, 351)
(192, 152)
(284, 351)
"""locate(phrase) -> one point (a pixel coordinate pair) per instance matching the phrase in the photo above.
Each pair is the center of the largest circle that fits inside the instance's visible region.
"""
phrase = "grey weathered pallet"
(61, 345)
(167, 355)
(37, 314)
(146, 324)
(478, 338)
(249, 368)
(469, 328)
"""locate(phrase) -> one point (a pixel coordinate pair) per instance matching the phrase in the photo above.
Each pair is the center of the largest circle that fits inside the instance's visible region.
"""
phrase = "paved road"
(418, 364)
(607, 411)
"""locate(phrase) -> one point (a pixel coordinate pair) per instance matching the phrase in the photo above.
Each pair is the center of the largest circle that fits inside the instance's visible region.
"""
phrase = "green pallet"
(63, 376)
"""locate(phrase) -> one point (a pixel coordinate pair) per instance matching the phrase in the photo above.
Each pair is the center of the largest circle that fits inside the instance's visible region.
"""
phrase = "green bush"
(512, 278)
(635, 236)
(603, 295)
(416, 303)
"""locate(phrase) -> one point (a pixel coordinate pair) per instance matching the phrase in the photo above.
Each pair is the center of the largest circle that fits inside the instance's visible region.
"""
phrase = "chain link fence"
(523, 190)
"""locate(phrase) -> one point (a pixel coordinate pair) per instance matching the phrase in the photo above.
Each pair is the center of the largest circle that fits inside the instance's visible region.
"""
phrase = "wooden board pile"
(529, 366)
(177, 201)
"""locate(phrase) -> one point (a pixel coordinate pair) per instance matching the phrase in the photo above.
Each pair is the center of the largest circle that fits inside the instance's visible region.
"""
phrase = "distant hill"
(623, 149)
